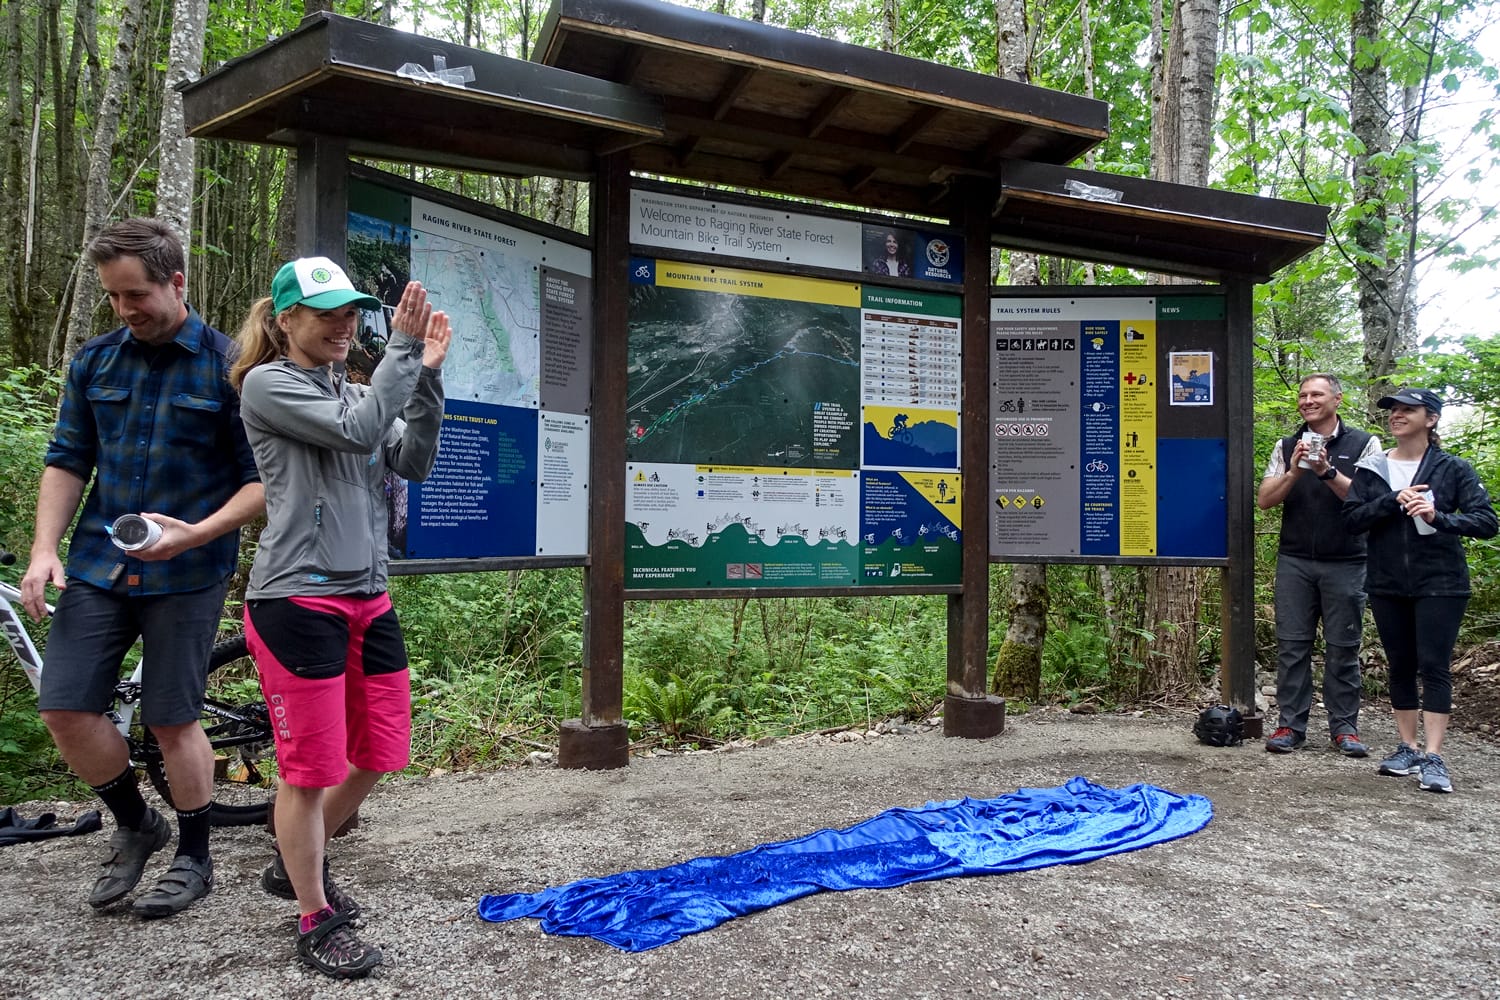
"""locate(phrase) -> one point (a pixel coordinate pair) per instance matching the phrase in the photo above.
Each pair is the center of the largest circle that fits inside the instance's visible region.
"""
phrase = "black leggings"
(1418, 634)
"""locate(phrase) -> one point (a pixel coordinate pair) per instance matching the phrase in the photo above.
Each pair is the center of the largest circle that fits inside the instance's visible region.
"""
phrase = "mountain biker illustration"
(148, 413)
(326, 641)
(900, 432)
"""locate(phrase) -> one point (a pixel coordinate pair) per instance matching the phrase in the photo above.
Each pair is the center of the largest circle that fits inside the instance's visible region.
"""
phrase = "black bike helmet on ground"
(1220, 726)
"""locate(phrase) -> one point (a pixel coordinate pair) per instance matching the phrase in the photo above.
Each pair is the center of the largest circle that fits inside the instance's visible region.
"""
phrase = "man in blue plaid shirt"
(148, 414)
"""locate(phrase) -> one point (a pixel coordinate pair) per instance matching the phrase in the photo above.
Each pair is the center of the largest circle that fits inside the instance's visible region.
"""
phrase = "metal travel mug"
(1314, 442)
(132, 531)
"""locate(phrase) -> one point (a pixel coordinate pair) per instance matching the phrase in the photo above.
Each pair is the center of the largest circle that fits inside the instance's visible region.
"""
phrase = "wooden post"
(968, 709)
(599, 739)
(323, 198)
(1237, 611)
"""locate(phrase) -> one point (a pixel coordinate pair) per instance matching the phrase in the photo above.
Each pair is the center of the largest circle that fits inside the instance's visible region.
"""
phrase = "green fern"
(681, 706)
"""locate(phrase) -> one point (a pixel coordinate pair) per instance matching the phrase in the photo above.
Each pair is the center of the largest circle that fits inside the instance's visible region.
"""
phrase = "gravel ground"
(1316, 878)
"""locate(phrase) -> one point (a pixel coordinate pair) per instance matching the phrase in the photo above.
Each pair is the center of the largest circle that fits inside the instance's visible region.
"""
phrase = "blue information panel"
(482, 495)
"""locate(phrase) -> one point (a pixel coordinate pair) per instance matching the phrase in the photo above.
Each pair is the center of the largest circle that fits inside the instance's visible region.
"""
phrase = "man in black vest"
(1320, 568)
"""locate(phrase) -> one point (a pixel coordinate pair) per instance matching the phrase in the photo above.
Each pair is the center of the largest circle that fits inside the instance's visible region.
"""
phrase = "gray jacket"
(324, 446)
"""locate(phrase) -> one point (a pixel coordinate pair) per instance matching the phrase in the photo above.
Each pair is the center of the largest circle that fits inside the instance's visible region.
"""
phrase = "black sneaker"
(332, 947)
(1349, 745)
(275, 881)
(129, 850)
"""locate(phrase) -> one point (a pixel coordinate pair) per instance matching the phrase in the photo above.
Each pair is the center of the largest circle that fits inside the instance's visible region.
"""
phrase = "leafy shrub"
(30, 766)
(28, 400)
(683, 707)
(493, 655)
(1075, 660)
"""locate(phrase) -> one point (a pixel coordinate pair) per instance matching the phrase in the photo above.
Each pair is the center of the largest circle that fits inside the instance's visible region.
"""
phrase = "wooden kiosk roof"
(1173, 228)
(758, 106)
(337, 76)
(720, 100)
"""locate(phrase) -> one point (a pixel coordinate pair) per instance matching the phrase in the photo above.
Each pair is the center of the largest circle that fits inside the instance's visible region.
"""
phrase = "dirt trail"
(1316, 878)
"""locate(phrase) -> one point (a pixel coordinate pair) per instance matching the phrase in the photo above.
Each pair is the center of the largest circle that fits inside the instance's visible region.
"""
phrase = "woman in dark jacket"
(1418, 502)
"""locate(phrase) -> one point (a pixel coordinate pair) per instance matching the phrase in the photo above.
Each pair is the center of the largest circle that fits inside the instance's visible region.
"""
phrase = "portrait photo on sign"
(887, 251)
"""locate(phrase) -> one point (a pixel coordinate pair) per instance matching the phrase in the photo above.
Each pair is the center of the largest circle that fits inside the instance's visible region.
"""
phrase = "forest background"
(1382, 110)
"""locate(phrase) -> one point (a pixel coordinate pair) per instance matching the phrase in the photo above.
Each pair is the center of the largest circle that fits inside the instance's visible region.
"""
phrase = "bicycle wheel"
(244, 730)
(227, 651)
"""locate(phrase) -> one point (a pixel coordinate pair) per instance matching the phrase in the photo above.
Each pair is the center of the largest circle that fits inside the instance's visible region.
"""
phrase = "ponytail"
(261, 341)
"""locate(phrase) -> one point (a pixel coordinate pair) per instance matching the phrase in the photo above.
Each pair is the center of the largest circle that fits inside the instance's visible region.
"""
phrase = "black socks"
(122, 796)
(192, 832)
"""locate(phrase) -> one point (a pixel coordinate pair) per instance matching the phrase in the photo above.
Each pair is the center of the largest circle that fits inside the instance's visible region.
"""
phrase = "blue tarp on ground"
(1030, 828)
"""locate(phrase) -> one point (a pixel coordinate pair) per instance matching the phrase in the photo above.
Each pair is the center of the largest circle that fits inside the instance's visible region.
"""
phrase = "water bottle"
(132, 531)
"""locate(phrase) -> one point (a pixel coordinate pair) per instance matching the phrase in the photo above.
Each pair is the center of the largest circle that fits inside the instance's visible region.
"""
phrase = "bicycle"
(243, 729)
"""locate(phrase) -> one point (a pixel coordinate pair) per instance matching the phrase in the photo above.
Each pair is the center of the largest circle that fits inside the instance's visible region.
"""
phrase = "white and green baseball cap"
(318, 283)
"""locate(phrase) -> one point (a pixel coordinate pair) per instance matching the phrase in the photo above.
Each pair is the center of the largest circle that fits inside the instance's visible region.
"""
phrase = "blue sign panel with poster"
(1107, 441)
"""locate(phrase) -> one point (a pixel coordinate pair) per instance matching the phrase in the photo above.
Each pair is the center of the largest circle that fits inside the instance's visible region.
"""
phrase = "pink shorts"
(333, 670)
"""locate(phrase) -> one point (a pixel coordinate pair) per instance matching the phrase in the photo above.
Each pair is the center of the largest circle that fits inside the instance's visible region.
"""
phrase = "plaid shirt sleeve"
(75, 442)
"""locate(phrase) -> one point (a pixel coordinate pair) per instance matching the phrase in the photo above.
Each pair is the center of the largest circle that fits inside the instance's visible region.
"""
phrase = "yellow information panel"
(1138, 438)
(787, 287)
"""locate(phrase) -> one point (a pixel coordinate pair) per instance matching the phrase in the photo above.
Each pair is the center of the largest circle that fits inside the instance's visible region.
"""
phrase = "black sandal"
(335, 950)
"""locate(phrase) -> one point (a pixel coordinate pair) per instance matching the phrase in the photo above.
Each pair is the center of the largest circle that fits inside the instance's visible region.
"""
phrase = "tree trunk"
(43, 168)
(1404, 271)
(97, 193)
(1018, 665)
(1086, 40)
(18, 318)
(174, 179)
(1012, 60)
(1164, 99)
(524, 28)
(1173, 604)
(1197, 28)
(1182, 90)
(1369, 120)
(1182, 140)
(83, 70)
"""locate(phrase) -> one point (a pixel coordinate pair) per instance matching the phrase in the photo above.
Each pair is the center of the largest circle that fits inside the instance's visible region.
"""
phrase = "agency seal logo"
(323, 276)
(938, 253)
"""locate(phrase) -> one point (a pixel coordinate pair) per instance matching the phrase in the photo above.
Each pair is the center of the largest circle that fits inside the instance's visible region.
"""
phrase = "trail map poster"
(786, 431)
(512, 469)
(1093, 451)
